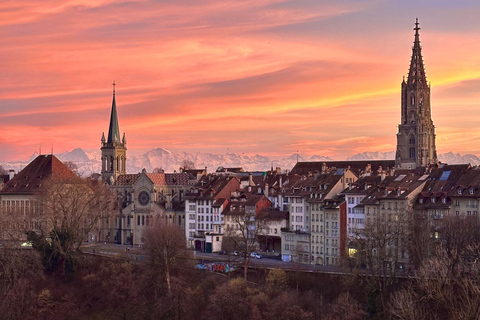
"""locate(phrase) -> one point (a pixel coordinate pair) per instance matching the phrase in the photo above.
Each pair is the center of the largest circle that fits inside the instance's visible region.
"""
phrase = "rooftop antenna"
(39, 149)
(52, 150)
(114, 84)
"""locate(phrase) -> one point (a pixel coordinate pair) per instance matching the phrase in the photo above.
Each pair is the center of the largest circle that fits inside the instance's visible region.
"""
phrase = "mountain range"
(88, 162)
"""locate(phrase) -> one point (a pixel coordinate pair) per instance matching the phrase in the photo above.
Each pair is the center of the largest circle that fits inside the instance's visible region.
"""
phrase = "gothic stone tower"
(114, 151)
(416, 133)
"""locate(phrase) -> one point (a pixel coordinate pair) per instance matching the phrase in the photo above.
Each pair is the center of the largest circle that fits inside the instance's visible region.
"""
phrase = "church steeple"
(113, 149)
(114, 129)
(416, 133)
(416, 74)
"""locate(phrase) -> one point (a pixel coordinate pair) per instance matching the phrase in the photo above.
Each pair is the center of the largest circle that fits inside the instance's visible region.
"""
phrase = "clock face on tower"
(143, 198)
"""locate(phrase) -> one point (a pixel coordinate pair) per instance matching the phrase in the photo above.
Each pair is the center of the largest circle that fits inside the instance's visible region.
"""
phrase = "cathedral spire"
(114, 129)
(416, 74)
(416, 132)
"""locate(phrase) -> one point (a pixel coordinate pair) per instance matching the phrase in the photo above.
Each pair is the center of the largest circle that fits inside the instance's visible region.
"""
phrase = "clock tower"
(114, 150)
(416, 132)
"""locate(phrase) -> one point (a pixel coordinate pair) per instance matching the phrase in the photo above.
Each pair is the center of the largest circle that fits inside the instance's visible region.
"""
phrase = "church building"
(416, 132)
(143, 197)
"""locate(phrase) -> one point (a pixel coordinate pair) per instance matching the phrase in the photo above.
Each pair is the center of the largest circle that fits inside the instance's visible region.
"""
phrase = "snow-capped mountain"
(377, 155)
(88, 162)
(455, 158)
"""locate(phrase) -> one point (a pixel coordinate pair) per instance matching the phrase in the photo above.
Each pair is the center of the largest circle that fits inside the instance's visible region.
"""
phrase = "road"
(135, 253)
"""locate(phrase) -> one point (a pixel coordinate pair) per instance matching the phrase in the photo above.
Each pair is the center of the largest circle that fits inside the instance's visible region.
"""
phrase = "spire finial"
(114, 84)
(416, 27)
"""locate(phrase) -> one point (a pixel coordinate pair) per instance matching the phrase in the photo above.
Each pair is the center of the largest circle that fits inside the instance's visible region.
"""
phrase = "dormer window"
(472, 190)
(420, 200)
(459, 191)
(444, 200)
(432, 199)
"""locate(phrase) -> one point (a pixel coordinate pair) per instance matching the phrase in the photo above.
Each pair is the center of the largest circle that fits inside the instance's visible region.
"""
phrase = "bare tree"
(73, 167)
(447, 285)
(188, 164)
(72, 209)
(242, 233)
(158, 170)
(2, 170)
(15, 262)
(382, 252)
(164, 246)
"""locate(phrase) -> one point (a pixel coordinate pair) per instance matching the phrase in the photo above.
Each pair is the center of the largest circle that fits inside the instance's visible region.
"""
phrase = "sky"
(269, 77)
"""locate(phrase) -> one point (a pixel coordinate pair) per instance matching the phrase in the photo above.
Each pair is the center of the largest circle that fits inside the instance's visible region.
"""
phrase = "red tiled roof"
(158, 179)
(34, 176)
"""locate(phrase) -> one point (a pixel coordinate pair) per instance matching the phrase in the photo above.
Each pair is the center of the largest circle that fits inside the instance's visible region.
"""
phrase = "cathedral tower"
(114, 150)
(416, 133)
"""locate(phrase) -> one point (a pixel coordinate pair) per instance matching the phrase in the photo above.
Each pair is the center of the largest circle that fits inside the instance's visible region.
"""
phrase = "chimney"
(380, 170)
(250, 179)
(205, 172)
(324, 167)
(368, 168)
(392, 172)
(11, 174)
(280, 183)
(266, 189)
(316, 174)
(382, 175)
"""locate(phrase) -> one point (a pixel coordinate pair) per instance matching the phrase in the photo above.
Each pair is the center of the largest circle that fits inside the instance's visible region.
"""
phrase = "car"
(255, 255)
(236, 253)
(222, 252)
(201, 266)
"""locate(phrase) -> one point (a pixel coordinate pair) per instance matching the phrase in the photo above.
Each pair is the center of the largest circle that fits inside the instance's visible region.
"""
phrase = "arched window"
(412, 147)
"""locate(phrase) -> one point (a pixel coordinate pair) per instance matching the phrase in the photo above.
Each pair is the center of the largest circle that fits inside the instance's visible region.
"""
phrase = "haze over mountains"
(88, 162)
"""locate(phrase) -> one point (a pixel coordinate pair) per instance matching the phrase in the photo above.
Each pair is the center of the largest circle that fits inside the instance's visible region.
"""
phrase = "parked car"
(236, 253)
(255, 255)
(201, 266)
(222, 252)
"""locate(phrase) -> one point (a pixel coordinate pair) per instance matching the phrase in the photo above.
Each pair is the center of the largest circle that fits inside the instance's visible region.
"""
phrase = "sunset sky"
(266, 77)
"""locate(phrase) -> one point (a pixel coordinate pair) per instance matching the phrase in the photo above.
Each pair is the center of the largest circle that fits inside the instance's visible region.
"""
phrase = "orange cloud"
(269, 77)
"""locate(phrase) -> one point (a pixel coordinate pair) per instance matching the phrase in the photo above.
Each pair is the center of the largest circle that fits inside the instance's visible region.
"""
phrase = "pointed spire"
(114, 129)
(416, 74)
(103, 137)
